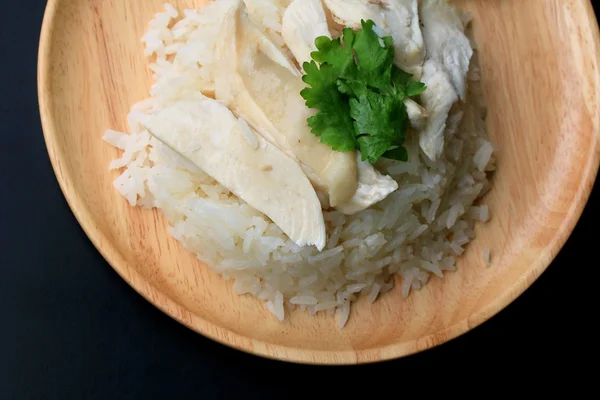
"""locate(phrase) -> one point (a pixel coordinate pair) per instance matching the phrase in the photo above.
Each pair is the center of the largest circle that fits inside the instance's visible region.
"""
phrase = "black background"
(72, 329)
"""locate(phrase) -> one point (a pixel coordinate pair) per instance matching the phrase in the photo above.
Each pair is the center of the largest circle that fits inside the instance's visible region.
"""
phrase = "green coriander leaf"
(379, 78)
(372, 114)
(414, 88)
(380, 123)
(370, 53)
(334, 128)
(399, 117)
(332, 122)
(359, 94)
(321, 83)
(375, 56)
(373, 147)
(400, 77)
(351, 87)
(398, 154)
(403, 86)
(338, 55)
(344, 87)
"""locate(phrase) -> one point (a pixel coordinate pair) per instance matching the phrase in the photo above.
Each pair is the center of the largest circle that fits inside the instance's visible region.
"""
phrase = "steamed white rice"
(420, 230)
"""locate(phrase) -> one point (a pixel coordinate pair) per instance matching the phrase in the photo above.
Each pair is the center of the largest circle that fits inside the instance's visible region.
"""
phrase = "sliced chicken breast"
(437, 100)
(449, 53)
(446, 42)
(206, 132)
(402, 17)
(268, 97)
(372, 188)
(417, 115)
(267, 15)
(303, 22)
(349, 13)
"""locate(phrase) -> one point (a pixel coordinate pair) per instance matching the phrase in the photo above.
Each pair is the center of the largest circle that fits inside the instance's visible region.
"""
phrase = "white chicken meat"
(446, 42)
(206, 132)
(267, 15)
(449, 54)
(303, 22)
(268, 97)
(372, 188)
(438, 99)
(349, 13)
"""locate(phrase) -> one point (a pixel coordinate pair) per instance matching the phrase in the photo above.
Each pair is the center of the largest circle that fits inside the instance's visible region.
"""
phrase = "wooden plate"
(542, 84)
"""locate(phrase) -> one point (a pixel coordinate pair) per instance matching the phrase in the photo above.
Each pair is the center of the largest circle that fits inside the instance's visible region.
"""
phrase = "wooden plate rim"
(284, 353)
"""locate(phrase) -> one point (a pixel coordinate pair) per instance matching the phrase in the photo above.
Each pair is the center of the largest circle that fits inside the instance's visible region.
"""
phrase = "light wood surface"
(541, 78)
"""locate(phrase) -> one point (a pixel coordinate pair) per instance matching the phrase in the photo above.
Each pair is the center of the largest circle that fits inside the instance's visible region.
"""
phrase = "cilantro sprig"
(359, 94)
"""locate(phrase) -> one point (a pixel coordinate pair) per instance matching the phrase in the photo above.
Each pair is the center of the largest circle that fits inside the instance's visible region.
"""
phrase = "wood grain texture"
(540, 68)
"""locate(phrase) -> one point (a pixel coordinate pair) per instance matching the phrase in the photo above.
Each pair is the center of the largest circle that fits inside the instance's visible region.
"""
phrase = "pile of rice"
(419, 230)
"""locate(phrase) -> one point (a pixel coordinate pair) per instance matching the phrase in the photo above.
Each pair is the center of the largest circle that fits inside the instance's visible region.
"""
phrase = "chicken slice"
(437, 100)
(303, 22)
(268, 97)
(270, 49)
(205, 132)
(417, 115)
(349, 13)
(446, 42)
(267, 15)
(449, 54)
(372, 188)
(402, 17)
(229, 86)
